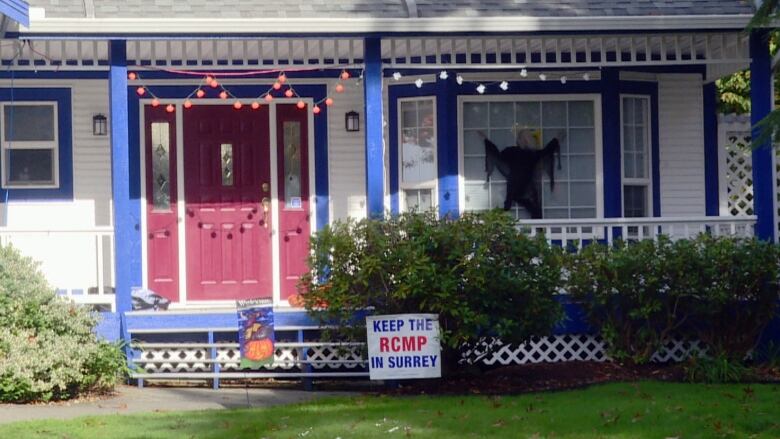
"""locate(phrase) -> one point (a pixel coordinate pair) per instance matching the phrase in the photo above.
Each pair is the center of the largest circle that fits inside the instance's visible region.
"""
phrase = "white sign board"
(403, 346)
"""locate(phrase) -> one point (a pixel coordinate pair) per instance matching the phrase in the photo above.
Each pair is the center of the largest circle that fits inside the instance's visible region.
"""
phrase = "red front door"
(227, 192)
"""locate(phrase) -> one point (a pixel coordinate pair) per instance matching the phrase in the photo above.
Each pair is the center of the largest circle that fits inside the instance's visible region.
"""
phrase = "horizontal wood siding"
(681, 135)
(346, 155)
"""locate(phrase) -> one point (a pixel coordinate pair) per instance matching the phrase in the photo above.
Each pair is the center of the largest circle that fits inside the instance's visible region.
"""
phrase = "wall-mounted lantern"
(99, 125)
(352, 121)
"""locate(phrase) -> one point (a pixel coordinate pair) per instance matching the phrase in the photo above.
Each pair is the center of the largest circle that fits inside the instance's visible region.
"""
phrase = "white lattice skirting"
(551, 349)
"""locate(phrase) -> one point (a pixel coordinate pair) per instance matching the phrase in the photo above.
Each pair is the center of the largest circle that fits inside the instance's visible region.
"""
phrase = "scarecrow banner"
(403, 346)
(256, 332)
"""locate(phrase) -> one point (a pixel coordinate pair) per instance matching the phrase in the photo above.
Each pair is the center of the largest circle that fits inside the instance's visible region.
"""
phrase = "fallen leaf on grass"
(500, 423)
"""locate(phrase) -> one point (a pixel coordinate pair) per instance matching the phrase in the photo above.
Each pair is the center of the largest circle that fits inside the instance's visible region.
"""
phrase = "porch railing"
(579, 232)
(77, 262)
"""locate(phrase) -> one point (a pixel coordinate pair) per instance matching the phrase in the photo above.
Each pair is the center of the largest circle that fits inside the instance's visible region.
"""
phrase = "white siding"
(346, 156)
(681, 139)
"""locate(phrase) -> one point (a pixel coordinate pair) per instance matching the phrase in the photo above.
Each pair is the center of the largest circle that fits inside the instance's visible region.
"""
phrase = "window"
(636, 156)
(531, 122)
(30, 145)
(292, 164)
(417, 153)
(161, 168)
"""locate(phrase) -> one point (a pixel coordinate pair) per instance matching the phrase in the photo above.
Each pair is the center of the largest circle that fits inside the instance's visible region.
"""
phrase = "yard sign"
(403, 346)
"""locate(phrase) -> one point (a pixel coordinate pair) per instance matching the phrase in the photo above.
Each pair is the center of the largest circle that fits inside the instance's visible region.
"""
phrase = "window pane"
(419, 200)
(581, 114)
(528, 114)
(425, 113)
(418, 142)
(557, 197)
(502, 115)
(634, 201)
(475, 115)
(29, 122)
(473, 143)
(477, 197)
(226, 157)
(30, 166)
(554, 114)
(628, 111)
(628, 165)
(474, 169)
(161, 169)
(292, 163)
(583, 194)
(635, 138)
(409, 114)
(581, 140)
(502, 138)
(585, 168)
(639, 110)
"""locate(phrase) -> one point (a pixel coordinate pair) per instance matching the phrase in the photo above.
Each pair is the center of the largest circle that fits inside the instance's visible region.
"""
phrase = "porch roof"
(383, 16)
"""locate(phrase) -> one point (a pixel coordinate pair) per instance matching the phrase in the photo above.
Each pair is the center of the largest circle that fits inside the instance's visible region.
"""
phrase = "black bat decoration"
(518, 165)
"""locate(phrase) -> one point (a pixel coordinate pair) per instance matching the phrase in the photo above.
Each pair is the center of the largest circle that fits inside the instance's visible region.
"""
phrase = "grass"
(623, 410)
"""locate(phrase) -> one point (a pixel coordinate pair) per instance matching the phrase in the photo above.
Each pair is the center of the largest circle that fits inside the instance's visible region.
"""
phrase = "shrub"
(477, 272)
(721, 291)
(715, 370)
(47, 347)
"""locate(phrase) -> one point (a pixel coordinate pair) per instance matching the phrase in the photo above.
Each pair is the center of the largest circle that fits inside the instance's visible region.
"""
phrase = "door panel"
(161, 202)
(226, 161)
(292, 135)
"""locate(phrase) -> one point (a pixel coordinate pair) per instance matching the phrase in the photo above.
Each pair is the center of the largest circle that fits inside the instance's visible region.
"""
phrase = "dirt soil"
(546, 377)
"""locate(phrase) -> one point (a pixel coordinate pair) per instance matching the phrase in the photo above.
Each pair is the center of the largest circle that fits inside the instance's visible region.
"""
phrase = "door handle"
(266, 207)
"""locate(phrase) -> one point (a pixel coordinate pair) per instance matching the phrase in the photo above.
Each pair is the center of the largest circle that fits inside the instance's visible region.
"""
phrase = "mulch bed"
(546, 377)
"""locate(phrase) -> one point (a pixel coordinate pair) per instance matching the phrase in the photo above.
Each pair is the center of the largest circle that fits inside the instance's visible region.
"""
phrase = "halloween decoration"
(518, 164)
(148, 300)
(256, 332)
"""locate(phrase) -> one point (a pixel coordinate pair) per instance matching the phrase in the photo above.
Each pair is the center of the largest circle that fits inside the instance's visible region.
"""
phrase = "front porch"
(641, 150)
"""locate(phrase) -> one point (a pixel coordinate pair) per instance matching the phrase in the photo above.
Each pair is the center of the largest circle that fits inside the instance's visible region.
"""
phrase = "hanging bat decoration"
(518, 165)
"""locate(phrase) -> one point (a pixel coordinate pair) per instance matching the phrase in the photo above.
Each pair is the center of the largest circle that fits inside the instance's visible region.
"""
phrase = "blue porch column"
(126, 203)
(610, 110)
(711, 191)
(375, 157)
(760, 107)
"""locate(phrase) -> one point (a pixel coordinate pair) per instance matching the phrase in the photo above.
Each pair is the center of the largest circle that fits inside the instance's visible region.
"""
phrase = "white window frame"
(433, 184)
(647, 182)
(54, 145)
(597, 132)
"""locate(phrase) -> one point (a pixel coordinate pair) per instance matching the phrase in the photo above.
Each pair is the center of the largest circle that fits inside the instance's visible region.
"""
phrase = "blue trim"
(610, 113)
(16, 10)
(47, 74)
(125, 182)
(328, 73)
(651, 90)
(65, 136)
(372, 82)
(711, 189)
(447, 147)
(761, 106)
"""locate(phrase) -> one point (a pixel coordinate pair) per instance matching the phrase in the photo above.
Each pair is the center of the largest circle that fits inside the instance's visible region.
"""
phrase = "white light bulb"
(443, 75)
(459, 80)
(418, 82)
(563, 80)
(504, 85)
(397, 76)
(542, 77)
(480, 89)
(523, 73)
(586, 76)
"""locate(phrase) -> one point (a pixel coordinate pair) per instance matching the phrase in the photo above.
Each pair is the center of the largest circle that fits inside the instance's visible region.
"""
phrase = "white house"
(191, 148)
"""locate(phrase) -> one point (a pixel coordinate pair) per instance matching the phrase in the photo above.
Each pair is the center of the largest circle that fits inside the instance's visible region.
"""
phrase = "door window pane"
(292, 163)
(161, 168)
(534, 124)
(226, 159)
(635, 201)
(635, 138)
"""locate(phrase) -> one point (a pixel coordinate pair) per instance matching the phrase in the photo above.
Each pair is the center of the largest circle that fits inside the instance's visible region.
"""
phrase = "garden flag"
(256, 332)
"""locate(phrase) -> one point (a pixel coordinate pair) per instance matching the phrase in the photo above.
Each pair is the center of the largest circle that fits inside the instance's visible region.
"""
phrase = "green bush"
(47, 347)
(715, 370)
(477, 272)
(722, 291)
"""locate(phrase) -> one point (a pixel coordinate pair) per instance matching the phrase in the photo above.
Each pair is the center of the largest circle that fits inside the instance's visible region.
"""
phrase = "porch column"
(711, 190)
(610, 110)
(126, 217)
(375, 157)
(760, 107)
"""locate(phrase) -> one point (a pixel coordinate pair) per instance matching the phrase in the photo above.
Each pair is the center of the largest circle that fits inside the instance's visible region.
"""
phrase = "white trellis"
(736, 167)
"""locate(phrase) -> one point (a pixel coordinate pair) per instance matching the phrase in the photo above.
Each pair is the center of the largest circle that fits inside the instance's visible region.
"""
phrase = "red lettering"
(383, 344)
(408, 344)
(395, 344)
(421, 341)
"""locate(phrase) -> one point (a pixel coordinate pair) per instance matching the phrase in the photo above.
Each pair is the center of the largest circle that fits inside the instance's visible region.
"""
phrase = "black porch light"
(99, 125)
(352, 121)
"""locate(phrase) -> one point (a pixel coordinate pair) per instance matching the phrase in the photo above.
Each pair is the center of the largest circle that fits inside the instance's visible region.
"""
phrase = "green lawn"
(638, 410)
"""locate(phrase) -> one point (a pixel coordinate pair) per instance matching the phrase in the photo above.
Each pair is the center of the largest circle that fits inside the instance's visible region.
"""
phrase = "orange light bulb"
(339, 88)
(255, 105)
(316, 110)
(200, 93)
(155, 102)
(289, 93)
(140, 91)
(170, 108)
(187, 104)
(301, 105)
(132, 76)
(344, 75)
(237, 105)
(223, 94)
(269, 97)
(329, 102)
